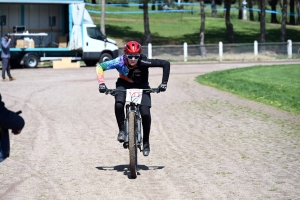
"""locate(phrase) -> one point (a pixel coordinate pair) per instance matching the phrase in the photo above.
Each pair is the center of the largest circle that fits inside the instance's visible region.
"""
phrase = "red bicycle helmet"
(132, 47)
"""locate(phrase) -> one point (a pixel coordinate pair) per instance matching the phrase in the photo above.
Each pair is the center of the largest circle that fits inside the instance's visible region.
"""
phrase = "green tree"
(273, 4)
(262, 37)
(283, 22)
(292, 10)
(202, 29)
(229, 25)
(298, 11)
(147, 36)
(250, 4)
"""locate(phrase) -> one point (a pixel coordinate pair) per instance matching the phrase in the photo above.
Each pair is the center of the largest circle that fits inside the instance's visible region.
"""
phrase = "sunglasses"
(133, 57)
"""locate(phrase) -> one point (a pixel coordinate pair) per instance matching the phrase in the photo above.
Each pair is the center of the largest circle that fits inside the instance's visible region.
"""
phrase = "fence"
(224, 52)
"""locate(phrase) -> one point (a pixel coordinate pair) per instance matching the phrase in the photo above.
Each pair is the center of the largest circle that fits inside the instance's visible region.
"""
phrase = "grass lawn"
(277, 85)
(177, 28)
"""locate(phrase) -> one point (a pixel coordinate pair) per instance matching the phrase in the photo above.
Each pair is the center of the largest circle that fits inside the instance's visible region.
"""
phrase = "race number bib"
(134, 95)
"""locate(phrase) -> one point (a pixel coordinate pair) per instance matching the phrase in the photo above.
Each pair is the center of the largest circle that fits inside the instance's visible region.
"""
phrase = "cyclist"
(133, 73)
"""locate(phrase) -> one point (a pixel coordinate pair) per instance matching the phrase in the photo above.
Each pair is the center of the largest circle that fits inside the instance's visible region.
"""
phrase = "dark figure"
(8, 120)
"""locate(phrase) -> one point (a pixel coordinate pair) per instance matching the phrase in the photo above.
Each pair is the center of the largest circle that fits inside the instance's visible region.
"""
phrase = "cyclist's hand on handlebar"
(162, 87)
(102, 88)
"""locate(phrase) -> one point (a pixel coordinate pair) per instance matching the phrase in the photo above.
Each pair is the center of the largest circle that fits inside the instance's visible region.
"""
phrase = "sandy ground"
(205, 144)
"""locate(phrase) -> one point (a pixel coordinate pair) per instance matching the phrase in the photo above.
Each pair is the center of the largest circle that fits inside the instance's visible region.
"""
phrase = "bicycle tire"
(132, 145)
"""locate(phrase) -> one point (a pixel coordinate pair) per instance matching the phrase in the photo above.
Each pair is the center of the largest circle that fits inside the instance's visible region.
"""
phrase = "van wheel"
(31, 61)
(105, 57)
(90, 63)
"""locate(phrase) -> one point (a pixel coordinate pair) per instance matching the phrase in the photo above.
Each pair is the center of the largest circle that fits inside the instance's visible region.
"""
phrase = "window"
(94, 32)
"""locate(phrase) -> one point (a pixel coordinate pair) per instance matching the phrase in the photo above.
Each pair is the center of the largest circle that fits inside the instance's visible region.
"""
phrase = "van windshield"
(94, 32)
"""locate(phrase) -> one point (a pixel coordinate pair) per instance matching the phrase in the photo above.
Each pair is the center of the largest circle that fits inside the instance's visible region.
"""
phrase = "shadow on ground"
(125, 168)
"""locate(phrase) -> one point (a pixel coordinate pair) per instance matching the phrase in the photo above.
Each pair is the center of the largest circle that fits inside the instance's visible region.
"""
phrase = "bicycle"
(133, 133)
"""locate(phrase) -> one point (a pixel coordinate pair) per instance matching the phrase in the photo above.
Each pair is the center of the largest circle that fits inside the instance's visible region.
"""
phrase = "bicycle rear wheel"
(132, 145)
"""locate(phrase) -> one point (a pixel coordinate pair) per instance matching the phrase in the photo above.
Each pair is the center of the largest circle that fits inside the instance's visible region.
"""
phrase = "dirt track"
(205, 144)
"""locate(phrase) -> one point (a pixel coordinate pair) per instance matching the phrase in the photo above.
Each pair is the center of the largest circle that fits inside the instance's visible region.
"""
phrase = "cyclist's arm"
(158, 63)
(111, 64)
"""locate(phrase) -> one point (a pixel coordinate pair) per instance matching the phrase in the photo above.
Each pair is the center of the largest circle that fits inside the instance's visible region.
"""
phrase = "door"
(93, 41)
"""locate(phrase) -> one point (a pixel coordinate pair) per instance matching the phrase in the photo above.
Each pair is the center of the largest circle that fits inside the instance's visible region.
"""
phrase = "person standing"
(8, 120)
(5, 56)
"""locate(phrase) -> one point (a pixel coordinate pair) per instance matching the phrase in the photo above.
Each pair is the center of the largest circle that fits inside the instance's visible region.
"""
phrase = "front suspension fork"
(137, 128)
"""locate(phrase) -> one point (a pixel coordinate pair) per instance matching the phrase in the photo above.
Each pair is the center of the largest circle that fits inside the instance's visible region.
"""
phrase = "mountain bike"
(133, 133)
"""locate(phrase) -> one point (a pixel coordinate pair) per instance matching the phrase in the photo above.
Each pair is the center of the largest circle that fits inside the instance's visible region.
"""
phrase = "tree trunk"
(202, 30)
(292, 10)
(240, 9)
(298, 11)
(273, 5)
(102, 28)
(213, 8)
(229, 25)
(250, 10)
(170, 3)
(262, 37)
(283, 22)
(147, 38)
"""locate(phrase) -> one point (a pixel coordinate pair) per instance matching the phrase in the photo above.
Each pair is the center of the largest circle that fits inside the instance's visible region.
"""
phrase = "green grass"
(177, 28)
(276, 85)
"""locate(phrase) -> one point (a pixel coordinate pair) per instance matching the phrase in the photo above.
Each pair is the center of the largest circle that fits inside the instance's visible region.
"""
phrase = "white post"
(255, 50)
(220, 51)
(289, 49)
(185, 53)
(244, 10)
(149, 50)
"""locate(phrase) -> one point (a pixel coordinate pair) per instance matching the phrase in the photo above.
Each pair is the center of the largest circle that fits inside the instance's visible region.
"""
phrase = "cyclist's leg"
(145, 112)
(120, 117)
(119, 108)
(146, 121)
(119, 113)
(120, 102)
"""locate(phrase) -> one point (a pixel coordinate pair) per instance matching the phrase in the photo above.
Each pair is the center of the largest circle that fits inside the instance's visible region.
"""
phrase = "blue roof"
(43, 1)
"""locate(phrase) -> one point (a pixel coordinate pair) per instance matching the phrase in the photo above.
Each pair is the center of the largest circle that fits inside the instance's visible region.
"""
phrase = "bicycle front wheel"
(132, 145)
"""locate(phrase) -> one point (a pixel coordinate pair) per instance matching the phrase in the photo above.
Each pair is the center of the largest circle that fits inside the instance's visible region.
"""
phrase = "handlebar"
(113, 92)
(19, 112)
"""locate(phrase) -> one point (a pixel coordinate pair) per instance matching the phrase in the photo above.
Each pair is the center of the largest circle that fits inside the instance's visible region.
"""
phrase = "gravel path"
(205, 144)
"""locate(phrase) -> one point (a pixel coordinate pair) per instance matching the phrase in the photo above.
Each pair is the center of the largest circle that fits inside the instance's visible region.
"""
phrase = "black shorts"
(122, 85)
